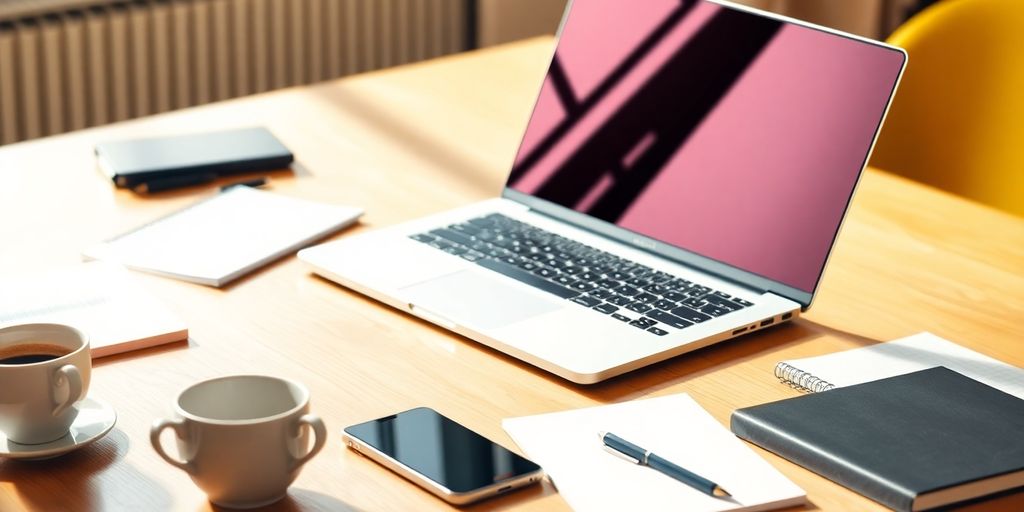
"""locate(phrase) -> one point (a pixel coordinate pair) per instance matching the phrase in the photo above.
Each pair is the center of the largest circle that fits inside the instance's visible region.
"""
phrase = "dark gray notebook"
(911, 442)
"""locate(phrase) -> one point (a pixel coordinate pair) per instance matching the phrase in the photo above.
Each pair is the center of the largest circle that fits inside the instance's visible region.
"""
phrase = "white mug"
(242, 438)
(39, 396)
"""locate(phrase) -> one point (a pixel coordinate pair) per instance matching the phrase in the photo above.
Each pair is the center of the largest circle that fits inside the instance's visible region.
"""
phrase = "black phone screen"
(441, 449)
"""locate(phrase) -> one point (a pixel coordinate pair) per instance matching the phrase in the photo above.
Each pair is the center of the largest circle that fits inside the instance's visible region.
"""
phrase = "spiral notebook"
(898, 357)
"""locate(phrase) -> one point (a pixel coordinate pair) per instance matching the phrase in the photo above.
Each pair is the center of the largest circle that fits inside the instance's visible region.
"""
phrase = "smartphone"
(442, 456)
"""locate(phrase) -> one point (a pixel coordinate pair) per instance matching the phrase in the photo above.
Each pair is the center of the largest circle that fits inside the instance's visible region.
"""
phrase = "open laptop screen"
(725, 133)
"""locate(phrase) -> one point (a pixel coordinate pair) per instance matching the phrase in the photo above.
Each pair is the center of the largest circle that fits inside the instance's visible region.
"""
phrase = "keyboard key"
(742, 302)
(721, 302)
(639, 307)
(721, 294)
(694, 302)
(453, 236)
(690, 315)
(660, 277)
(583, 286)
(669, 319)
(619, 300)
(643, 323)
(646, 298)
(656, 289)
(713, 310)
(639, 283)
(606, 308)
(546, 272)
(675, 296)
(465, 228)
(566, 280)
(601, 293)
(621, 318)
(664, 305)
(586, 301)
(626, 290)
(525, 277)
(655, 330)
(422, 237)
(678, 284)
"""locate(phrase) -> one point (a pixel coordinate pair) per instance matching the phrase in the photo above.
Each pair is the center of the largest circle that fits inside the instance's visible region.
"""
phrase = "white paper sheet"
(567, 446)
(906, 355)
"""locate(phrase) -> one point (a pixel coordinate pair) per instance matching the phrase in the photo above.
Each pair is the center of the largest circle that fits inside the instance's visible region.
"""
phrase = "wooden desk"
(419, 139)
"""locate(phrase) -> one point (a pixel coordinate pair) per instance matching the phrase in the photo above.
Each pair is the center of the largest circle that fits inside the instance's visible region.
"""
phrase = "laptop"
(681, 182)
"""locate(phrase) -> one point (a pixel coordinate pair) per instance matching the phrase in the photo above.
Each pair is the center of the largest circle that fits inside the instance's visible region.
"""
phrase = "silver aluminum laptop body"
(407, 268)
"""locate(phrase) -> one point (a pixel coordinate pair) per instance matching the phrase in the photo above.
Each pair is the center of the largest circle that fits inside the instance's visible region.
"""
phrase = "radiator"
(101, 62)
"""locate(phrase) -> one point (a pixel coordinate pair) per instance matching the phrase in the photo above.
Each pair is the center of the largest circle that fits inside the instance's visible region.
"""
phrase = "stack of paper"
(675, 427)
(100, 299)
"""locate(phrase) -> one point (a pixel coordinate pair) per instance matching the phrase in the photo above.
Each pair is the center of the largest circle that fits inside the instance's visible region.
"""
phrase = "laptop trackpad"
(473, 298)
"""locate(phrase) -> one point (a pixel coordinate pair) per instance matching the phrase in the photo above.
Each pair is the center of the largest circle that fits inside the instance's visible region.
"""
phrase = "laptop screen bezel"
(689, 258)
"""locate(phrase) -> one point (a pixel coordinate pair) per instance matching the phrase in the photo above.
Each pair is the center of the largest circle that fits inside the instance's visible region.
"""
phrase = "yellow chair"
(957, 121)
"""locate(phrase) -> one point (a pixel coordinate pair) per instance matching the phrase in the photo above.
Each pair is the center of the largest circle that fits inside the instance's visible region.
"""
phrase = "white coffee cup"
(241, 438)
(38, 400)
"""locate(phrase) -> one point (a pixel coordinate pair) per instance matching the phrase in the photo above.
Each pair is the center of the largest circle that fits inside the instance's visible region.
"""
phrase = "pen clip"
(620, 455)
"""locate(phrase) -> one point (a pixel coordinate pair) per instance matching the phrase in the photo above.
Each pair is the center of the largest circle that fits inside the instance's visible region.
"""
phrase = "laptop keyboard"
(647, 299)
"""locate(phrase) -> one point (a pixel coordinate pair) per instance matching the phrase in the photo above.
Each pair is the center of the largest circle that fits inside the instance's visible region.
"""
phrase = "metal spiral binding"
(801, 380)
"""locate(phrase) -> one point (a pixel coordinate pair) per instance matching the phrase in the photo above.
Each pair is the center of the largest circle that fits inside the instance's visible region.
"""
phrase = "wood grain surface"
(406, 142)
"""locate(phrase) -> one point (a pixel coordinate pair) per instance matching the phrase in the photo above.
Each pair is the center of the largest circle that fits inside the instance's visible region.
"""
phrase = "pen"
(633, 453)
(159, 185)
(255, 183)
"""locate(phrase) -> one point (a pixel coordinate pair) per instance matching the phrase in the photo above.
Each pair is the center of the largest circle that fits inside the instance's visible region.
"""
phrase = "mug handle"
(320, 434)
(154, 438)
(70, 374)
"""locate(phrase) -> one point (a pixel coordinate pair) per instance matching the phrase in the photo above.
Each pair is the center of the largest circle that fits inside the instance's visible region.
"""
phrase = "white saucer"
(95, 419)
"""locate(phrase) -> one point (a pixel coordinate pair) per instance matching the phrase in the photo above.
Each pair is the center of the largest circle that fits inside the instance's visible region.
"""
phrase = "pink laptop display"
(735, 137)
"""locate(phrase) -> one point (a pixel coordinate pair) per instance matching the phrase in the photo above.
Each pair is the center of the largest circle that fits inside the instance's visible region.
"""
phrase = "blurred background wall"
(69, 64)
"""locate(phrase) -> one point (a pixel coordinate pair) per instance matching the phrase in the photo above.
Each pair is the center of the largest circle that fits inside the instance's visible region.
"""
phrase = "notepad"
(220, 239)
(101, 299)
(567, 446)
(905, 355)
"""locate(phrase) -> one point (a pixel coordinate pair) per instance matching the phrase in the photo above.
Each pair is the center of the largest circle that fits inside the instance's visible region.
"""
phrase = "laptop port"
(768, 322)
(738, 331)
(787, 316)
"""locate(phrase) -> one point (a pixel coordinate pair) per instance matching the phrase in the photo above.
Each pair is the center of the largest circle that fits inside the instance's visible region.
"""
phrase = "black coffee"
(29, 353)
(28, 359)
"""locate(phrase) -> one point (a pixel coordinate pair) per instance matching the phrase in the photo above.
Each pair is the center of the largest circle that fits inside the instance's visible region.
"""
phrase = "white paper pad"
(566, 445)
(225, 236)
(99, 298)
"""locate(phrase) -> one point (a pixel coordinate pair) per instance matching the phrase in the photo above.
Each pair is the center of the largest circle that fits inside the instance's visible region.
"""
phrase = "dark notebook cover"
(133, 162)
(895, 439)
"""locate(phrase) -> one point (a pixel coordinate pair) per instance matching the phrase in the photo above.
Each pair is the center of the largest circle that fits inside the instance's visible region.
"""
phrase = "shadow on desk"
(86, 475)
(298, 500)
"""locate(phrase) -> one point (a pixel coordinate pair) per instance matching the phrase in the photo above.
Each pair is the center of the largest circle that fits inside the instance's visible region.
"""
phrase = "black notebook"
(130, 163)
(911, 442)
